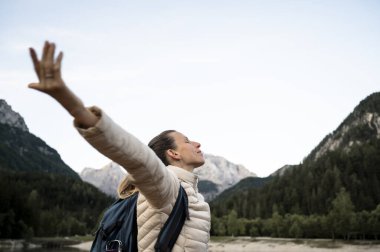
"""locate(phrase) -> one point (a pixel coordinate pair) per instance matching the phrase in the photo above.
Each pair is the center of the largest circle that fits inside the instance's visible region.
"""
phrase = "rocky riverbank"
(224, 244)
(243, 244)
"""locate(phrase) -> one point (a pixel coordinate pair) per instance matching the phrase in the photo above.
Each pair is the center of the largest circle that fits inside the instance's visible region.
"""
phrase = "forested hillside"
(23, 151)
(41, 195)
(335, 191)
(47, 204)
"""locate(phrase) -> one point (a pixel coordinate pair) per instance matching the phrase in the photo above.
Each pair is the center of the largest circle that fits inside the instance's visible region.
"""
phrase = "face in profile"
(188, 152)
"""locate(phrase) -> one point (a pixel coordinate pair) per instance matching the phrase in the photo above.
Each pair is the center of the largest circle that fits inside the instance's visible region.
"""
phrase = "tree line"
(304, 196)
(340, 222)
(47, 204)
(310, 188)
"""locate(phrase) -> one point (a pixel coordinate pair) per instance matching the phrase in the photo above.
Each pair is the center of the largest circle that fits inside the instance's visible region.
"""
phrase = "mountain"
(357, 129)
(282, 170)
(348, 159)
(360, 127)
(20, 150)
(41, 195)
(216, 175)
(106, 179)
(10, 117)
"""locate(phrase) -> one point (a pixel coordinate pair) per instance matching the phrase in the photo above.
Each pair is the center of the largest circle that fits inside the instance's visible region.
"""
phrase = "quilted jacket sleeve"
(148, 173)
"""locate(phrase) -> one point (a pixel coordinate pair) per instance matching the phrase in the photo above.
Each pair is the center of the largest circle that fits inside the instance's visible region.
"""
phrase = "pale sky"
(260, 83)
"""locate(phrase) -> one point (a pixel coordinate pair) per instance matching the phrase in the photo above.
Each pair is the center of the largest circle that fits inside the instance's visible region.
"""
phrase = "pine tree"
(341, 214)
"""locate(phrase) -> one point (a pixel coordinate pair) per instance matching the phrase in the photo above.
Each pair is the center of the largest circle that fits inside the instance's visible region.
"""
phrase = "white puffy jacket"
(158, 186)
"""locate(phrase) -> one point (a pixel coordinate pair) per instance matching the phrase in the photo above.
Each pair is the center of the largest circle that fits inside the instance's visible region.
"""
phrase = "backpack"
(118, 228)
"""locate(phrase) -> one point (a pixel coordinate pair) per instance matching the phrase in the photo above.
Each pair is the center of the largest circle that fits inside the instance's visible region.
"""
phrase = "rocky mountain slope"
(347, 159)
(357, 129)
(216, 175)
(20, 150)
(10, 117)
(219, 174)
(105, 179)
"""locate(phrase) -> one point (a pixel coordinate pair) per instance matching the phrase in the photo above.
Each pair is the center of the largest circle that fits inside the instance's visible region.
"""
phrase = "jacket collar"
(185, 176)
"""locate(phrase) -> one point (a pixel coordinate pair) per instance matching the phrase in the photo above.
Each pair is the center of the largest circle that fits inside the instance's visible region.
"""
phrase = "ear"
(173, 154)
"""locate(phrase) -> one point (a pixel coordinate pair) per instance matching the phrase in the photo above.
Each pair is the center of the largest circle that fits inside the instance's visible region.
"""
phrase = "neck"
(183, 166)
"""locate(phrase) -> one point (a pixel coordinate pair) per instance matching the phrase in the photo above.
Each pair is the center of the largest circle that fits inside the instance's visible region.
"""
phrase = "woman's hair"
(126, 188)
(159, 144)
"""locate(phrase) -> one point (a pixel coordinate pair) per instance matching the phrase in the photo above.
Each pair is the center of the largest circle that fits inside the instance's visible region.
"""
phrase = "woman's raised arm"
(148, 173)
(48, 71)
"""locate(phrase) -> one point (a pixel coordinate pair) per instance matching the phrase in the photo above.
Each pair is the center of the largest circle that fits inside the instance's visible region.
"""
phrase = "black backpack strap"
(106, 232)
(173, 226)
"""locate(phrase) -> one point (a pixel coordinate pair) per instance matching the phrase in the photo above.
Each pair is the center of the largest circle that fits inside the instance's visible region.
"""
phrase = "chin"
(200, 164)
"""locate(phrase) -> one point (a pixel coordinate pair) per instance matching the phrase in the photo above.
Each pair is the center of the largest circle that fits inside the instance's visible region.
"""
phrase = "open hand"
(48, 70)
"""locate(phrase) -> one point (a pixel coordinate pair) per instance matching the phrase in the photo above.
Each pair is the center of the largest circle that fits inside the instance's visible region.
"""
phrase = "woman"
(157, 172)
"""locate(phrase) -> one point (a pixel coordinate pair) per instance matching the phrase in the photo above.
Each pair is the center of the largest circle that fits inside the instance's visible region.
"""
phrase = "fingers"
(50, 54)
(45, 51)
(35, 61)
(47, 68)
(33, 55)
(35, 86)
(57, 65)
(59, 58)
(48, 61)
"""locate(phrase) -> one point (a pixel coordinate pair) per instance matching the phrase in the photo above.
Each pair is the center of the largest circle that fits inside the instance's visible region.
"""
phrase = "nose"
(196, 144)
